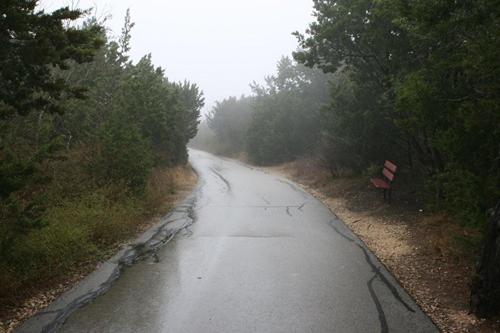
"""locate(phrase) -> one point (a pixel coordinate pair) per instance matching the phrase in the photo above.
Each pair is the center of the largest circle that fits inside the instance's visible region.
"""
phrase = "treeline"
(410, 81)
(280, 121)
(420, 86)
(414, 83)
(86, 137)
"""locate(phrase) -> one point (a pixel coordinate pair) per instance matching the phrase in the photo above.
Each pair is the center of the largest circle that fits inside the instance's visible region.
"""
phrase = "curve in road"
(262, 256)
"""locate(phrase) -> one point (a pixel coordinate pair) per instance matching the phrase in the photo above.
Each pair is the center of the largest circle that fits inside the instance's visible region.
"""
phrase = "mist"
(222, 45)
(249, 166)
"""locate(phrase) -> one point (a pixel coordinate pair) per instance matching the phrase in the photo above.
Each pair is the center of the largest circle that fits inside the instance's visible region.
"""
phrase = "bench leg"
(390, 195)
(385, 194)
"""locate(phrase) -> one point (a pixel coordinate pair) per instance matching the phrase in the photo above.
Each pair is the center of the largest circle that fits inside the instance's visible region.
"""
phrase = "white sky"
(222, 45)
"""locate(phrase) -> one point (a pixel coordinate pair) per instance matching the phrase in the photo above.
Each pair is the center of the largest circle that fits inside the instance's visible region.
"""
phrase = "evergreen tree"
(31, 42)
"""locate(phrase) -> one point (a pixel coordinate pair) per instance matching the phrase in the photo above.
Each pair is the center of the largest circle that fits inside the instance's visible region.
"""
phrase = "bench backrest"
(389, 170)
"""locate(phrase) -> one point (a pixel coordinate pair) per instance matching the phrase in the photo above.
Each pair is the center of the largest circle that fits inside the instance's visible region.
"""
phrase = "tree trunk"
(485, 291)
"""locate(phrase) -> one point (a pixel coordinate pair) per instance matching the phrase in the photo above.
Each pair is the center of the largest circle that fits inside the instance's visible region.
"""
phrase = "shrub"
(124, 157)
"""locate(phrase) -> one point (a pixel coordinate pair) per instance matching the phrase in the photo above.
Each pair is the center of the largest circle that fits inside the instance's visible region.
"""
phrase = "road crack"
(138, 251)
(226, 182)
(377, 275)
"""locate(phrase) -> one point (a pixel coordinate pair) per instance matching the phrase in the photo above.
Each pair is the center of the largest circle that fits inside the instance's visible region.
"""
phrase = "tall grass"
(83, 229)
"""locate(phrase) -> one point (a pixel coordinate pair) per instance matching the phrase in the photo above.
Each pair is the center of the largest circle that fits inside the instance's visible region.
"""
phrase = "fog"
(221, 45)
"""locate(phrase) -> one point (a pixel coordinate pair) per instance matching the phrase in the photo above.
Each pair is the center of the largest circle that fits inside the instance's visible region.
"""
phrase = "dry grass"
(108, 224)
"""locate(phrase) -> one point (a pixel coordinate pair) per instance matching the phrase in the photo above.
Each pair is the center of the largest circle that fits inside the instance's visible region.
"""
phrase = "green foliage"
(76, 181)
(355, 127)
(49, 252)
(13, 173)
(192, 101)
(123, 157)
(418, 84)
(464, 194)
(279, 122)
(31, 42)
(230, 120)
(76, 231)
(287, 113)
(108, 215)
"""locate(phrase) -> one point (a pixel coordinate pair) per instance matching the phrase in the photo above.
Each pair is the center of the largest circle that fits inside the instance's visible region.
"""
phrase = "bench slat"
(380, 183)
(391, 166)
(388, 174)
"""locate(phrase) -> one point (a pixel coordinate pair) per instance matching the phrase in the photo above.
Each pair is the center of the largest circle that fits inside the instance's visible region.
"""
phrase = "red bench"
(385, 182)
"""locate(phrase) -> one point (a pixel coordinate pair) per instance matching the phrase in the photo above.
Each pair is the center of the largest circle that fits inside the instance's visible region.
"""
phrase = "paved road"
(262, 256)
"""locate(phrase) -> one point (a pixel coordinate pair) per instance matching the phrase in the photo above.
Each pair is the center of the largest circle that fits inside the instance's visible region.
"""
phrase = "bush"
(53, 250)
(76, 231)
(124, 157)
(160, 185)
(109, 215)
(43, 255)
(463, 196)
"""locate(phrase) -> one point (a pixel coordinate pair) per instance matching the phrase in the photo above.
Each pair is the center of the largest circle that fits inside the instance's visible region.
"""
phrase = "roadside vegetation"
(417, 83)
(92, 145)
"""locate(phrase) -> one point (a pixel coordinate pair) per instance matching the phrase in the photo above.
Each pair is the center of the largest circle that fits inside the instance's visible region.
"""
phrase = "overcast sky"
(222, 45)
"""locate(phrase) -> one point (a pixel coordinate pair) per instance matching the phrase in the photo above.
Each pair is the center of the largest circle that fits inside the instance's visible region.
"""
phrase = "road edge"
(106, 275)
(357, 239)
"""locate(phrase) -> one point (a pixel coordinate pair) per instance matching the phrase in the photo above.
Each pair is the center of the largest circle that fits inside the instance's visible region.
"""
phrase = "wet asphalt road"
(262, 256)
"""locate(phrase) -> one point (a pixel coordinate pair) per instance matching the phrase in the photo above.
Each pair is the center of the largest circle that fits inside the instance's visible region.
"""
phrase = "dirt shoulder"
(184, 180)
(426, 252)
